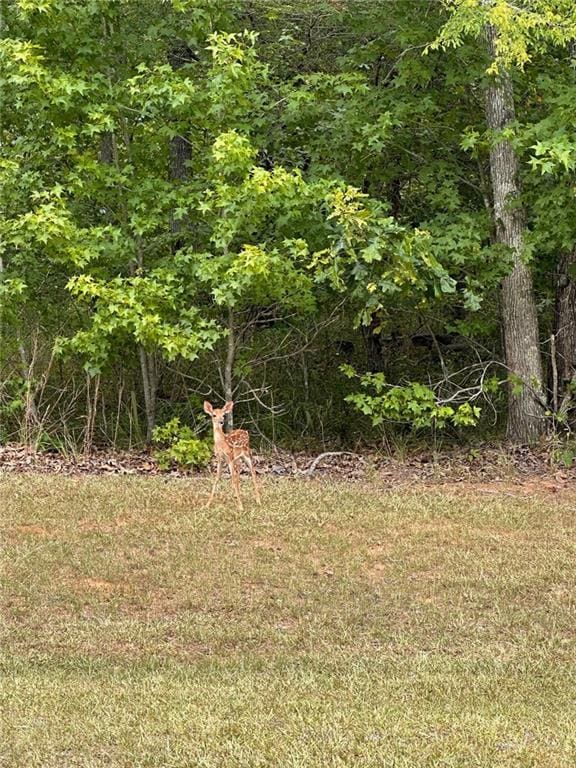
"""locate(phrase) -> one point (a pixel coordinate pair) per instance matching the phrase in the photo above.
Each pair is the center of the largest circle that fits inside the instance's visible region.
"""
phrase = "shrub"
(179, 446)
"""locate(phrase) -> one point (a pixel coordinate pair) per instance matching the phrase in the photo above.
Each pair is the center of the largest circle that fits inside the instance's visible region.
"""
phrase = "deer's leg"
(248, 459)
(234, 476)
(216, 479)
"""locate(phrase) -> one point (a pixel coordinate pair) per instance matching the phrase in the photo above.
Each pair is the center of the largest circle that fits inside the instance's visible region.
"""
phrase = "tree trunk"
(31, 424)
(526, 406)
(180, 154)
(180, 150)
(373, 344)
(91, 409)
(229, 369)
(150, 386)
(148, 367)
(107, 148)
(565, 329)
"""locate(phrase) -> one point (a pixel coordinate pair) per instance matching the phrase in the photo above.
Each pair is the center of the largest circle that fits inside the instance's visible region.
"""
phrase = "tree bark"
(229, 368)
(373, 344)
(107, 148)
(31, 423)
(148, 368)
(91, 408)
(565, 327)
(526, 406)
(150, 387)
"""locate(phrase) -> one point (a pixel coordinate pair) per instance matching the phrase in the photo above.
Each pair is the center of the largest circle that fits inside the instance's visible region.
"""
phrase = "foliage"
(179, 446)
(146, 309)
(414, 404)
(524, 28)
(209, 197)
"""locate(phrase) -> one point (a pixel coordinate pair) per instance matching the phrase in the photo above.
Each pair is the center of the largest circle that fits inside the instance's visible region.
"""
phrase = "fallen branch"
(322, 456)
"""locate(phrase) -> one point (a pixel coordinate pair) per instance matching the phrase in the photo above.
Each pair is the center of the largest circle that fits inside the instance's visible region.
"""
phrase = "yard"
(340, 624)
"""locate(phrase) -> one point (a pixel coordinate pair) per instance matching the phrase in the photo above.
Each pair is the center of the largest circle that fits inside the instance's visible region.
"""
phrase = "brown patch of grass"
(96, 585)
(543, 487)
(29, 529)
(270, 544)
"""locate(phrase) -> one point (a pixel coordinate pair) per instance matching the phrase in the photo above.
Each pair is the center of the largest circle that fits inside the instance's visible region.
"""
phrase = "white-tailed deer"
(230, 447)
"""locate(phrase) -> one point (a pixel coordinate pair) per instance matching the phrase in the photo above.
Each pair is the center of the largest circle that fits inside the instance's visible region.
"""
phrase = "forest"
(354, 218)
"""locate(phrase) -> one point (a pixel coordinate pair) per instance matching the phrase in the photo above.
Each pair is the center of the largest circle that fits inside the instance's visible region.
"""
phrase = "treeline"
(355, 219)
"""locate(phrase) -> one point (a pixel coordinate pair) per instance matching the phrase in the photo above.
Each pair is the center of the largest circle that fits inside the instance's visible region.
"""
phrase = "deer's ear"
(208, 407)
(228, 407)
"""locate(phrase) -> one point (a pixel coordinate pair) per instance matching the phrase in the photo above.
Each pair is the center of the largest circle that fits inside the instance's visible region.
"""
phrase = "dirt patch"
(270, 545)
(378, 572)
(251, 589)
(100, 586)
(30, 529)
(563, 486)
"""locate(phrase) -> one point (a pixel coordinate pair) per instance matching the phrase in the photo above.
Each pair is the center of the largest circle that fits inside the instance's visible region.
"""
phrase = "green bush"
(179, 446)
(414, 403)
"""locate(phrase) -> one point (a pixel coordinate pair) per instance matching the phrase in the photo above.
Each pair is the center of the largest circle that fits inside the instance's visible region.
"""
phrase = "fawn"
(230, 447)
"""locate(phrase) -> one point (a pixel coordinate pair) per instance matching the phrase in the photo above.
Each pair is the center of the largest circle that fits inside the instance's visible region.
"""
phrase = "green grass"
(337, 625)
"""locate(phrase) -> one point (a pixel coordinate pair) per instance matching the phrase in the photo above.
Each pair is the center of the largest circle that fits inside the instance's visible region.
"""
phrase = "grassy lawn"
(337, 625)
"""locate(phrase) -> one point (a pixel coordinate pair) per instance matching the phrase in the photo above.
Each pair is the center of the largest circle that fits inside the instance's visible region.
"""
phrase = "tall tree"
(513, 32)
(526, 405)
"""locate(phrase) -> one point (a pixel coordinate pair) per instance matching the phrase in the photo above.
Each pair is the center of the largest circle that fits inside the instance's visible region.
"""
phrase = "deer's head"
(218, 414)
